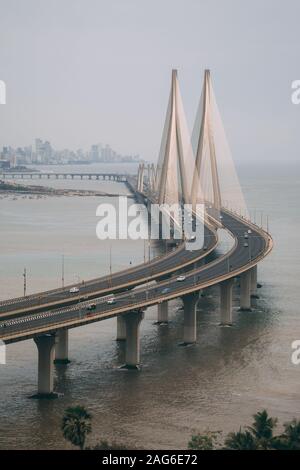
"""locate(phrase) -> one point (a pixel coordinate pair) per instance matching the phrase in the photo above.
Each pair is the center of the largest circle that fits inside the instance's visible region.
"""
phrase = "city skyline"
(42, 152)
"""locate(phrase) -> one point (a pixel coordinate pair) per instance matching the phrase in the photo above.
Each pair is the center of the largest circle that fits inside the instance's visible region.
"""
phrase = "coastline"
(7, 189)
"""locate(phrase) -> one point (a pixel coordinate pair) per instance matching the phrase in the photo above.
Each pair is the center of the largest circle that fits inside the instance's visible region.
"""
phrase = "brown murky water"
(217, 383)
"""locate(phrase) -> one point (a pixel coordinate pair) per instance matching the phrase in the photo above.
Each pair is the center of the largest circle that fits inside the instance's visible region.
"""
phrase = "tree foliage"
(76, 425)
(258, 436)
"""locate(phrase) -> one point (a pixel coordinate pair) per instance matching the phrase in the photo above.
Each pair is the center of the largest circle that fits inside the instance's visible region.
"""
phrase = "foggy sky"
(80, 72)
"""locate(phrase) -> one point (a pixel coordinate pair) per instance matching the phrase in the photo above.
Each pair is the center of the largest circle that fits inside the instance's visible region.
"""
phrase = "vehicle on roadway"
(165, 290)
(111, 301)
(246, 235)
(246, 245)
(91, 307)
(74, 290)
(181, 278)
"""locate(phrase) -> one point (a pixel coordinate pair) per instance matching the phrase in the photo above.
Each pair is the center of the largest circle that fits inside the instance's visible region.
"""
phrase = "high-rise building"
(43, 151)
(38, 150)
(96, 152)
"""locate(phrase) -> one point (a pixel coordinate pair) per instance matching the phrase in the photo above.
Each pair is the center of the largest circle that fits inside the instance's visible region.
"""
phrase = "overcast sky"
(86, 71)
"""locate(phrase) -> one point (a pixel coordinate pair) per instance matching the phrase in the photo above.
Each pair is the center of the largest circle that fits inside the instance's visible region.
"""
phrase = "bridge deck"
(119, 281)
(215, 272)
(122, 177)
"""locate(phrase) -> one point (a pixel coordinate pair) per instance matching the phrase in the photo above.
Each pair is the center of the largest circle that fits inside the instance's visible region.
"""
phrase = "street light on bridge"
(25, 281)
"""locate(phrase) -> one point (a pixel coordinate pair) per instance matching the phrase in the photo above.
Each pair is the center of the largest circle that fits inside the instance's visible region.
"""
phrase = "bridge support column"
(133, 321)
(254, 281)
(121, 328)
(245, 290)
(162, 312)
(62, 347)
(45, 345)
(204, 292)
(190, 318)
(226, 301)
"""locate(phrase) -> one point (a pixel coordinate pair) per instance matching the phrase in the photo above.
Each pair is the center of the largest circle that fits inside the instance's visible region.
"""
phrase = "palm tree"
(290, 439)
(255, 437)
(259, 436)
(205, 441)
(241, 440)
(262, 429)
(76, 424)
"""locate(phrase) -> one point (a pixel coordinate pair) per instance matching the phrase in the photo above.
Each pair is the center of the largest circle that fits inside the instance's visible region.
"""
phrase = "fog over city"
(83, 72)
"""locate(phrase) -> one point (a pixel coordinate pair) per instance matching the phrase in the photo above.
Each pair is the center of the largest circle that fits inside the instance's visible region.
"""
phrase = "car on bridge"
(165, 290)
(111, 301)
(91, 307)
(181, 278)
(74, 290)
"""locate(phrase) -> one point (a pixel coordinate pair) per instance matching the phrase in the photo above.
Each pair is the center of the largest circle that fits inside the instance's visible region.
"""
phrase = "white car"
(111, 301)
(181, 278)
(73, 290)
(246, 245)
(246, 235)
(249, 230)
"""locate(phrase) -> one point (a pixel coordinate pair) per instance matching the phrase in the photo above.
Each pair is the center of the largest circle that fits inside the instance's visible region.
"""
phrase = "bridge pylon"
(140, 177)
(205, 172)
(171, 178)
(215, 181)
(151, 177)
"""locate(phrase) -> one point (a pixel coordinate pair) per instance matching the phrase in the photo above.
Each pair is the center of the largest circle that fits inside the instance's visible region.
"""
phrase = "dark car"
(165, 290)
(91, 307)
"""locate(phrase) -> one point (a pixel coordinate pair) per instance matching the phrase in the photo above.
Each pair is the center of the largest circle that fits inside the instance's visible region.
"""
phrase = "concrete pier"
(254, 281)
(133, 321)
(245, 292)
(62, 347)
(190, 318)
(226, 301)
(162, 312)
(204, 292)
(121, 328)
(45, 345)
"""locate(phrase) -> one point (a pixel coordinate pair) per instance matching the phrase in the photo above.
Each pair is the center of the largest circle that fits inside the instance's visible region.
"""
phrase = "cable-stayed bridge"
(198, 172)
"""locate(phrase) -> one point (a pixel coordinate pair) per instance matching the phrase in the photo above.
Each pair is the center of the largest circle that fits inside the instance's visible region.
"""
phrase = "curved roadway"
(239, 259)
(120, 281)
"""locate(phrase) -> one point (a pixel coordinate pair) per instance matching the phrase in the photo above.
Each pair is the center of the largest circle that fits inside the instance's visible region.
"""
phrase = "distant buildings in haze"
(43, 153)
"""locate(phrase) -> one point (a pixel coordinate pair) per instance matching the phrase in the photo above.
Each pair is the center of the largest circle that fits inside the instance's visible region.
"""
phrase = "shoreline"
(7, 189)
